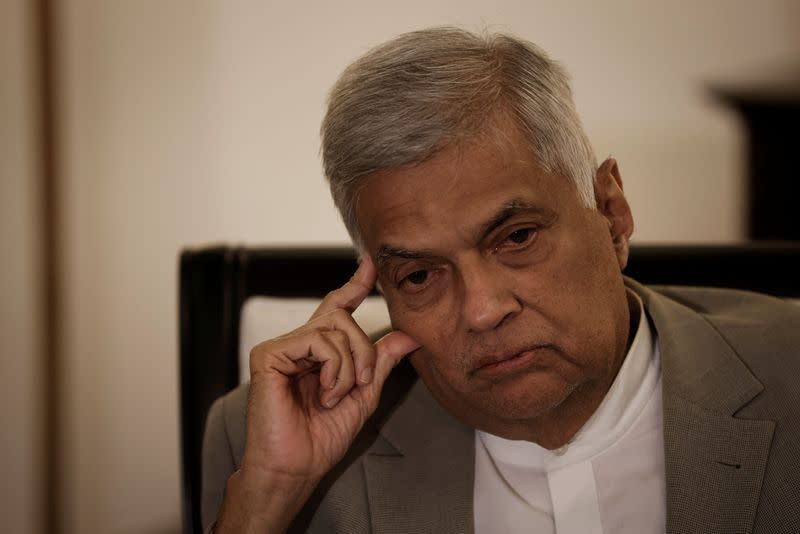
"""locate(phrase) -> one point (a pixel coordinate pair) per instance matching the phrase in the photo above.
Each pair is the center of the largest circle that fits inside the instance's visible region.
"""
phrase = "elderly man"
(554, 395)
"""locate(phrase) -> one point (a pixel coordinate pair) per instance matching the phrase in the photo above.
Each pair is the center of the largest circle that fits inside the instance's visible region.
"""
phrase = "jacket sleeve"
(218, 463)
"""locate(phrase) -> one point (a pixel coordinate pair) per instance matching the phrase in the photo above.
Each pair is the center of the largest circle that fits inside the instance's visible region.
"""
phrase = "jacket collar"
(420, 478)
(700, 366)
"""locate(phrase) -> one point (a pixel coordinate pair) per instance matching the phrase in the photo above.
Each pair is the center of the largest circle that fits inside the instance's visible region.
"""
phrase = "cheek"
(428, 327)
(568, 293)
(433, 327)
(584, 266)
(587, 281)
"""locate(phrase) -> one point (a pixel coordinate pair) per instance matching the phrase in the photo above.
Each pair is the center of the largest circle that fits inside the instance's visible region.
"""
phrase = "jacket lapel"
(714, 462)
(420, 479)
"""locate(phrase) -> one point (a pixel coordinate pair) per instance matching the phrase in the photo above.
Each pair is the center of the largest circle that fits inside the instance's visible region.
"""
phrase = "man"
(554, 395)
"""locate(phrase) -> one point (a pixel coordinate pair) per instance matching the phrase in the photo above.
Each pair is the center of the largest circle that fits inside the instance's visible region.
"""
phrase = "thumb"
(390, 349)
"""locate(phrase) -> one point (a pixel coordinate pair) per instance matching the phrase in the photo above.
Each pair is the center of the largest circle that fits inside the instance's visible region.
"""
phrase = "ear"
(612, 204)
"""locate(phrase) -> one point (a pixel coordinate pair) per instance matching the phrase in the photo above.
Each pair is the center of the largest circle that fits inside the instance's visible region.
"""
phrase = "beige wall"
(20, 304)
(186, 122)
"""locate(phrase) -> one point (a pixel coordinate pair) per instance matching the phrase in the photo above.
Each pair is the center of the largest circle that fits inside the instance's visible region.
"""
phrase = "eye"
(416, 278)
(522, 244)
(520, 236)
(518, 239)
(415, 281)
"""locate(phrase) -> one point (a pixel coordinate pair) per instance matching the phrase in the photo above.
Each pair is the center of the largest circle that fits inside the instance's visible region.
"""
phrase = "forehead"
(448, 198)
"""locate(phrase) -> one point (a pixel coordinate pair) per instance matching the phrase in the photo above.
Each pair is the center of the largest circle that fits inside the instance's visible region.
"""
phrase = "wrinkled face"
(512, 287)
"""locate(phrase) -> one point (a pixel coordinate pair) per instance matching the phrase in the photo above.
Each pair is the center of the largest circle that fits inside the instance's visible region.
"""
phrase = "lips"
(509, 362)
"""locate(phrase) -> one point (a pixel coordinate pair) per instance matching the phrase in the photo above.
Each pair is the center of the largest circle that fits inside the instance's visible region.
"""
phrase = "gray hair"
(410, 97)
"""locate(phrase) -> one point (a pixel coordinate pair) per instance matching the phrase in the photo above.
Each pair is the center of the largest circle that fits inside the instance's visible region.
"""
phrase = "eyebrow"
(508, 210)
(388, 252)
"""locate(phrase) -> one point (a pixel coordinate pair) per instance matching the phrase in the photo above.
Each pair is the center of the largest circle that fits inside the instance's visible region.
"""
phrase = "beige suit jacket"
(731, 390)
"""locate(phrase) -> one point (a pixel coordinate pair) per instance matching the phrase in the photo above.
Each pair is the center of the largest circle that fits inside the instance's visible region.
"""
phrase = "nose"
(488, 295)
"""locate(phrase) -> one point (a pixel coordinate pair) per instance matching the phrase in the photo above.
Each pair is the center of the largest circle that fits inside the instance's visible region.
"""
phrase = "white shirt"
(608, 478)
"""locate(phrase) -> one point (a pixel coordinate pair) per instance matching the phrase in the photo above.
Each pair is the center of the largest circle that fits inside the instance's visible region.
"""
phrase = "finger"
(345, 377)
(332, 363)
(332, 350)
(361, 348)
(353, 292)
(390, 349)
(293, 355)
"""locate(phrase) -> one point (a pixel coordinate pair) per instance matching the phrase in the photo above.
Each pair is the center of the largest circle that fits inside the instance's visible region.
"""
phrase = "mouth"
(497, 366)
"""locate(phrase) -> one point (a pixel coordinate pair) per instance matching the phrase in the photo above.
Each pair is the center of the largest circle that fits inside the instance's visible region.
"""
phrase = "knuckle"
(259, 352)
(369, 352)
(263, 357)
(319, 337)
(333, 295)
(339, 337)
(341, 315)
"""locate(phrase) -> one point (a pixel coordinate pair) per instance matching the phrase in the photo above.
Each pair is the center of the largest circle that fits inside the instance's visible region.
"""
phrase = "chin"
(505, 406)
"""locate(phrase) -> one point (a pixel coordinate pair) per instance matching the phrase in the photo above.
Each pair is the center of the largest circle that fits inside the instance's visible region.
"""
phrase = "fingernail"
(332, 402)
(366, 375)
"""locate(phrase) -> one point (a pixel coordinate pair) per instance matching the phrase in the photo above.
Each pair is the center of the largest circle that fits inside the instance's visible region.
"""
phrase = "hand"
(311, 391)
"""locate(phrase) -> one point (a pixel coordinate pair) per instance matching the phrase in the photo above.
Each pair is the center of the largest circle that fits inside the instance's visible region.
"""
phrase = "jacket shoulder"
(719, 304)
(763, 330)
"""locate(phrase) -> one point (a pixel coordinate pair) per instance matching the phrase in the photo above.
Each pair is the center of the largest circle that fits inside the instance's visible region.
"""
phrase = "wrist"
(258, 502)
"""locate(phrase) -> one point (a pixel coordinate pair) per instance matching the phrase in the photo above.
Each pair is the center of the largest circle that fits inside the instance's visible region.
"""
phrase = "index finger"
(351, 294)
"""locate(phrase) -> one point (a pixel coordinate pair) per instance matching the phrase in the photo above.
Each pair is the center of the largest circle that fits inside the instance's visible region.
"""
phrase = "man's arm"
(274, 505)
(311, 390)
